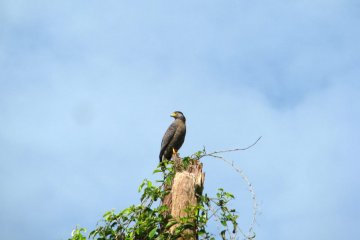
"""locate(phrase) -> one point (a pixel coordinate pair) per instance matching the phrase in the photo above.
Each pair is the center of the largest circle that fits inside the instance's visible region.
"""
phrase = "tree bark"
(185, 192)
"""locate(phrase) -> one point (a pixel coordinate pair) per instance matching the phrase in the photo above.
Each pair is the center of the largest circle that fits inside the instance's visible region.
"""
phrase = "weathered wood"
(186, 189)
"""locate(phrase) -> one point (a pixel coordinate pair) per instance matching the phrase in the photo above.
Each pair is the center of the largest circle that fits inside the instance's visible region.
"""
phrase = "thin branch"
(251, 234)
(250, 188)
(233, 150)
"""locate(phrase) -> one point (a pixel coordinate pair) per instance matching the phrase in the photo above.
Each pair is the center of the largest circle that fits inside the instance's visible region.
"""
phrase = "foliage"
(151, 220)
(77, 234)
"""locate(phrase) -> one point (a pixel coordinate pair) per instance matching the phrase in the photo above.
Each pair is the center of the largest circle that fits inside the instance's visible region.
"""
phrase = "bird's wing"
(169, 134)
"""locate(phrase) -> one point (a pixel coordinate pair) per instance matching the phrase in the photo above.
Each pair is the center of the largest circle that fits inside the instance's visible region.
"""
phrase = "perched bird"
(174, 136)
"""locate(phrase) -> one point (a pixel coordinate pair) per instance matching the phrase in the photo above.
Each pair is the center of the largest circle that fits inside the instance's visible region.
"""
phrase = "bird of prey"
(174, 136)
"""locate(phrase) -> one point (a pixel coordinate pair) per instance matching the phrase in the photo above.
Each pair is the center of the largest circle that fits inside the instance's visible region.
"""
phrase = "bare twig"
(233, 150)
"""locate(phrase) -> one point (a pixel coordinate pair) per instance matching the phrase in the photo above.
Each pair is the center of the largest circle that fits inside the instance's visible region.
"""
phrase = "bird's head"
(178, 115)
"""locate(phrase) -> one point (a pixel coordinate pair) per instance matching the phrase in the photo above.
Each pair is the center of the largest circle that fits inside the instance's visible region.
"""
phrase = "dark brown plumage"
(174, 136)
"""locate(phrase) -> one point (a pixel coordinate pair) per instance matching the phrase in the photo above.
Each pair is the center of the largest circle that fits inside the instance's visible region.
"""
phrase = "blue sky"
(87, 87)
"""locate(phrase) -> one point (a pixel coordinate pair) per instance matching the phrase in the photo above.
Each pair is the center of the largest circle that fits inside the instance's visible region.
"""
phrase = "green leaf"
(108, 215)
(235, 227)
(152, 233)
(169, 224)
(141, 186)
(229, 195)
(156, 171)
(201, 232)
(126, 211)
(76, 234)
(223, 235)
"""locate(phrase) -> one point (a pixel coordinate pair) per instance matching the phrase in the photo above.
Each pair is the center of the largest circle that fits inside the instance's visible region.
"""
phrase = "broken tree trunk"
(185, 191)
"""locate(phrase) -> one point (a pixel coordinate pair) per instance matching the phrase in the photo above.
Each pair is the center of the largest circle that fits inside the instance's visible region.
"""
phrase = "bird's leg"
(174, 151)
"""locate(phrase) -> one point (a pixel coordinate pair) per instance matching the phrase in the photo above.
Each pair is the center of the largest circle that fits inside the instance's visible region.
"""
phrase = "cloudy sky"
(87, 87)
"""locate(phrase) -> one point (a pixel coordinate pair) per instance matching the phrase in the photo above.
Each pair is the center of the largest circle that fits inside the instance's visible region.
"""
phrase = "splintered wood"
(185, 191)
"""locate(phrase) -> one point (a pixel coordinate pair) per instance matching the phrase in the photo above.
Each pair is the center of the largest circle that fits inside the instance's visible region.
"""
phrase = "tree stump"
(185, 191)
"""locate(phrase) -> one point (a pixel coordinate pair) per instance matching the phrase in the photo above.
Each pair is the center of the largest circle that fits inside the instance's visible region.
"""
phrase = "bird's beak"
(173, 115)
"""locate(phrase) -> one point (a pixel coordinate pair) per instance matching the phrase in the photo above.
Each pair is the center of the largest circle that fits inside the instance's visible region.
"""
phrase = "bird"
(174, 136)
